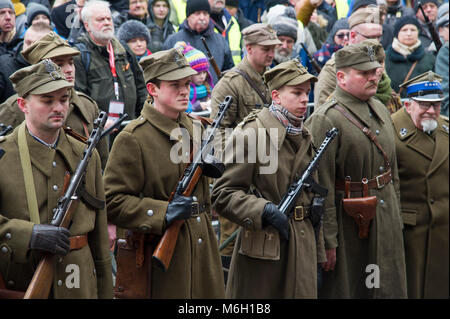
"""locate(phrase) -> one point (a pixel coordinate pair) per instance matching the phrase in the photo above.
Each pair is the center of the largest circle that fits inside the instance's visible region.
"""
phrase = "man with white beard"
(105, 70)
(422, 156)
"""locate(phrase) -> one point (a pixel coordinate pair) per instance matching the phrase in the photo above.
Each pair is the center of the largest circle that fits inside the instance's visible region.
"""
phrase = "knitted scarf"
(292, 123)
(384, 89)
(404, 49)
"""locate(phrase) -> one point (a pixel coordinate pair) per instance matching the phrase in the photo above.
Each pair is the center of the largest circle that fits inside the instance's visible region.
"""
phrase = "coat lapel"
(441, 148)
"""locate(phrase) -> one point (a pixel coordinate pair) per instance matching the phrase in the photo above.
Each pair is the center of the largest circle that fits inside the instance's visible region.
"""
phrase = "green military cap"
(357, 56)
(425, 87)
(168, 65)
(260, 33)
(49, 46)
(291, 72)
(380, 55)
(369, 14)
(40, 78)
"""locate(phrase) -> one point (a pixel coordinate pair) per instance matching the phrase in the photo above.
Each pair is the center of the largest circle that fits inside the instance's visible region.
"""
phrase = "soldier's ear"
(407, 103)
(23, 104)
(276, 97)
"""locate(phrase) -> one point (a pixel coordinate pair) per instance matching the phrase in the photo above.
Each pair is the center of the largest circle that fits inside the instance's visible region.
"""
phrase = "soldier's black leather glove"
(179, 208)
(272, 216)
(51, 239)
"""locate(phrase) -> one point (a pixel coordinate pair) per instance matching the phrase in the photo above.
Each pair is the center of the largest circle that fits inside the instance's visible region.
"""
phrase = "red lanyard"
(112, 66)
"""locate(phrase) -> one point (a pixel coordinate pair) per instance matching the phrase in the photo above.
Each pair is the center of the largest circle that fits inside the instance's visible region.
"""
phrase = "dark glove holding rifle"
(179, 208)
(272, 216)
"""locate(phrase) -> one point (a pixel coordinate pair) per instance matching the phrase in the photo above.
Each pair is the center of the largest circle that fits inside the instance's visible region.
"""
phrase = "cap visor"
(301, 79)
(428, 98)
(366, 66)
(269, 42)
(59, 52)
(177, 74)
(51, 86)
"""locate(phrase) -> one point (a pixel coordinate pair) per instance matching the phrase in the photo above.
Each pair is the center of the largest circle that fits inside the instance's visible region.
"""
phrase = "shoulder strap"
(258, 91)
(367, 132)
(407, 76)
(85, 55)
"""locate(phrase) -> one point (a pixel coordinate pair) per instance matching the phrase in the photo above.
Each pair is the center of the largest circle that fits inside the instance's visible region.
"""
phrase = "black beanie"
(34, 9)
(416, 4)
(232, 3)
(197, 5)
(362, 3)
(272, 3)
(404, 21)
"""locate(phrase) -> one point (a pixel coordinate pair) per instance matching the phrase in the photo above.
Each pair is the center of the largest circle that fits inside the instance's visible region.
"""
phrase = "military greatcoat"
(17, 262)
(140, 177)
(353, 154)
(423, 171)
(263, 266)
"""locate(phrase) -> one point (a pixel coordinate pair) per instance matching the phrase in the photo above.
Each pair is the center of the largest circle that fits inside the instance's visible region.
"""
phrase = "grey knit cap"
(7, 4)
(34, 9)
(133, 29)
(285, 26)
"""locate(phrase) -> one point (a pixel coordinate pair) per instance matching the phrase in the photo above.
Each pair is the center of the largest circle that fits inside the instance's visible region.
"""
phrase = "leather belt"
(197, 209)
(77, 242)
(375, 183)
(300, 213)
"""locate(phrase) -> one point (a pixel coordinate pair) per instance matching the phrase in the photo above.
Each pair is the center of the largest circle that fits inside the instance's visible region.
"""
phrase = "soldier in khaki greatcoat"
(360, 264)
(274, 256)
(422, 154)
(40, 149)
(82, 110)
(143, 171)
(260, 41)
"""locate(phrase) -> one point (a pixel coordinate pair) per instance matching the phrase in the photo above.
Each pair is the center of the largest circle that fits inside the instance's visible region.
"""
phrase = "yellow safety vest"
(234, 40)
(341, 8)
(180, 8)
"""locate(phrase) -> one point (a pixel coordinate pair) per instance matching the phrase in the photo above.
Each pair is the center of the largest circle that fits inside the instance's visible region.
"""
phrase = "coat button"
(381, 169)
(432, 201)
(194, 198)
(54, 164)
(144, 228)
(381, 202)
(11, 283)
(55, 187)
(199, 219)
(60, 260)
(4, 249)
(377, 132)
(150, 212)
(59, 282)
(200, 241)
(8, 236)
(302, 232)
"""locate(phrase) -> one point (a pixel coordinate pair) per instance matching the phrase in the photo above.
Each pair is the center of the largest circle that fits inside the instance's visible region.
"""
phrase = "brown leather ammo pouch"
(362, 209)
(133, 267)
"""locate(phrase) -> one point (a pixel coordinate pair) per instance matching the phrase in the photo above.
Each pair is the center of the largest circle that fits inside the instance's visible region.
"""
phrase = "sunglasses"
(343, 35)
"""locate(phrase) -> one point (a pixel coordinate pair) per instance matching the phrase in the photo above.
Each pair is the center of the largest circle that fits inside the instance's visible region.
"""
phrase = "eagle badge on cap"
(403, 132)
(179, 57)
(371, 53)
(50, 68)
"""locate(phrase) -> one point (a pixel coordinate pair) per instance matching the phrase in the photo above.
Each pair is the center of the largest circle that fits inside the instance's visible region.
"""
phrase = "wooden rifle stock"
(164, 250)
(433, 33)
(211, 59)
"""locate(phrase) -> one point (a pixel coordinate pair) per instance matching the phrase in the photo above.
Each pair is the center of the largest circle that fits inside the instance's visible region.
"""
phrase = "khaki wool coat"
(353, 154)
(82, 109)
(423, 171)
(326, 83)
(17, 261)
(245, 99)
(262, 265)
(140, 177)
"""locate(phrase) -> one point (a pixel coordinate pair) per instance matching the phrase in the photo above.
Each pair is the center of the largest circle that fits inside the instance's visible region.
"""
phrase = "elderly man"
(197, 25)
(362, 222)
(430, 7)
(40, 149)
(105, 70)
(421, 141)
(246, 85)
(364, 24)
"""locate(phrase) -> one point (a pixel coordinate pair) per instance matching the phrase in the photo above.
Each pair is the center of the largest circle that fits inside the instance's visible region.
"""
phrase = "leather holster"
(134, 263)
(362, 209)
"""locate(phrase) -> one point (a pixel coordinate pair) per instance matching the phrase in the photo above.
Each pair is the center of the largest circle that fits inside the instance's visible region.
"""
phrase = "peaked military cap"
(425, 87)
(291, 72)
(40, 78)
(49, 46)
(260, 33)
(369, 14)
(167, 65)
(357, 56)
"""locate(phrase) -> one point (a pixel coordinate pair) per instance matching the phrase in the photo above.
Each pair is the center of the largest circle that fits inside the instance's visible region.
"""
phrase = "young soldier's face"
(294, 98)
(65, 62)
(171, 97)
(46, 112)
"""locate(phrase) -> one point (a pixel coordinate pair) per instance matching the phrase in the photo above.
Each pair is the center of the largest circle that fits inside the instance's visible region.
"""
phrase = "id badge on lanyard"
(116, 106)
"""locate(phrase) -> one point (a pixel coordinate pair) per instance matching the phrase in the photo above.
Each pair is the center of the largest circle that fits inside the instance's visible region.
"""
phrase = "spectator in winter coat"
(337, 39)
(135, 35)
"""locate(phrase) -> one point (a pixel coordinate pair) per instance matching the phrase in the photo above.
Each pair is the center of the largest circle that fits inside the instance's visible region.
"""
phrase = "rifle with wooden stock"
(211, 59)
(430, 26)
(202, 164)
(42, 281)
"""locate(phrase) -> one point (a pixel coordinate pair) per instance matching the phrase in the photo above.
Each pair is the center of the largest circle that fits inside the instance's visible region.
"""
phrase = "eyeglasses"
(424, 106)
(374, 37)
(343, 35)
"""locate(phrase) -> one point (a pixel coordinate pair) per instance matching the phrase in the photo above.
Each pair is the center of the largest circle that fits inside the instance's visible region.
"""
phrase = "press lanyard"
(112, 66)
